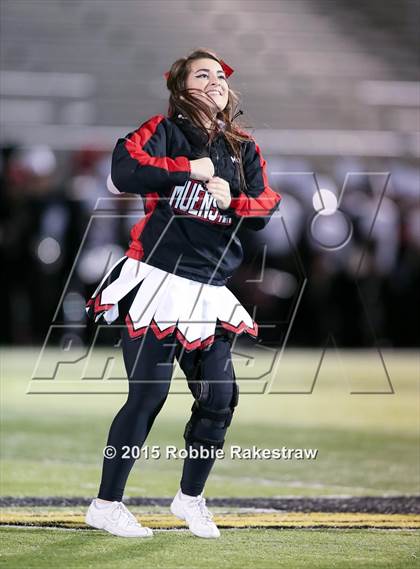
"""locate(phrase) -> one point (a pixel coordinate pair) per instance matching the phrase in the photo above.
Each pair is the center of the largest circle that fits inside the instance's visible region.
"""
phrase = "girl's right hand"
(202, 169)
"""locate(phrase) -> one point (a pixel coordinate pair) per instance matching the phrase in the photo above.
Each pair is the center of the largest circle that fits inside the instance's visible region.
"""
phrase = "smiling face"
(207, 76)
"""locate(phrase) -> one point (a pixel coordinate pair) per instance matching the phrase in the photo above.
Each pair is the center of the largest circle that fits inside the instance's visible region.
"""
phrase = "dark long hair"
(182, 101)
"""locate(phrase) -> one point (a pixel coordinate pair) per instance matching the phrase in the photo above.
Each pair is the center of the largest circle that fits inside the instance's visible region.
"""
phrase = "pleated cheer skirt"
(143, 296)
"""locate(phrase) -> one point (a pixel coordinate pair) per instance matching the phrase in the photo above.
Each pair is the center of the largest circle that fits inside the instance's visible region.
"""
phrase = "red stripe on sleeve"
(138, 140)
(261, 205)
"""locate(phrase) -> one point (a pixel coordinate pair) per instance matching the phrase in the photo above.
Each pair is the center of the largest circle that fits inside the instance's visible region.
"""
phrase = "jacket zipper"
(217, 157)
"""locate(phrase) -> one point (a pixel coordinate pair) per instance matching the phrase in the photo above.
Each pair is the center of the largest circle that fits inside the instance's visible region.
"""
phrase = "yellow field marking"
(238, 520)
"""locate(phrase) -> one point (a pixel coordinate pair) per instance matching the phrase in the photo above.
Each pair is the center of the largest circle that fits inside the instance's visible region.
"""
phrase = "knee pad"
(209, 426)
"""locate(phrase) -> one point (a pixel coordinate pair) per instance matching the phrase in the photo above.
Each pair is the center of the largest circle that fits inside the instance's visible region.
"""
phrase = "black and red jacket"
(183, 230)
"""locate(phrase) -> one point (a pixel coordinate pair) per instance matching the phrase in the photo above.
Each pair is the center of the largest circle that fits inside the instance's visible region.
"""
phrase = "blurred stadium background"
(328, 90)
(331, 92)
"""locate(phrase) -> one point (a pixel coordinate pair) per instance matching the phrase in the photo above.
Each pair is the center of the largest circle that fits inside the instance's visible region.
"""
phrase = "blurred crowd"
(339, 263)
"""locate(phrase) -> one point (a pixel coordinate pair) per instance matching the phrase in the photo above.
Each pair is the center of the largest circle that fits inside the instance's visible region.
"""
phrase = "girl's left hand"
(220, 189)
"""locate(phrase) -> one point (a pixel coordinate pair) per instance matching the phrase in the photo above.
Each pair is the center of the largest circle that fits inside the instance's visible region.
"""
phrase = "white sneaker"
(116, 519)
(194, 511)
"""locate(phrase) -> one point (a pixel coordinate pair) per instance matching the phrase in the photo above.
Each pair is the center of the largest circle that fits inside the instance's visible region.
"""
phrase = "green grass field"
(367, 446)
(236, 549)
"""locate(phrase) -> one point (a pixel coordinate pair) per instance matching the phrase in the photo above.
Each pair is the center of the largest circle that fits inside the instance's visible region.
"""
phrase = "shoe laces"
(200, 508)
(121, 510)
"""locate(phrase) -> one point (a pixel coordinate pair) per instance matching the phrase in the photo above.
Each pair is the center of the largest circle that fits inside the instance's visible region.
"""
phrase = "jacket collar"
(195, 135)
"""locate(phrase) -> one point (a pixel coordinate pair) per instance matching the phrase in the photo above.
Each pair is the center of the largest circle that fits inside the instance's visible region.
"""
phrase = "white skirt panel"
(168, 304)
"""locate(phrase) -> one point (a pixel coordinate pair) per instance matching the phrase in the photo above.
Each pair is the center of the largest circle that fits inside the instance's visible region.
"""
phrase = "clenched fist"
(220, 189)
(202, 169)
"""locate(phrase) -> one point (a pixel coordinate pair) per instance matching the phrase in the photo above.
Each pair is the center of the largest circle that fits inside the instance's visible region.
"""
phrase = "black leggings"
(149, 364)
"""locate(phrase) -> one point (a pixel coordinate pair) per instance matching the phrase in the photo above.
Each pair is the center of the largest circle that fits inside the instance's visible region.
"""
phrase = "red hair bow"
(226, 68)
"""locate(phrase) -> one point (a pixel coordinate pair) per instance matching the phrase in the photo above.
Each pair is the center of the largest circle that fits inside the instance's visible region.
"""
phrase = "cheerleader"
(201, 177)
